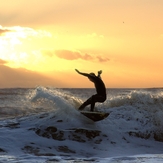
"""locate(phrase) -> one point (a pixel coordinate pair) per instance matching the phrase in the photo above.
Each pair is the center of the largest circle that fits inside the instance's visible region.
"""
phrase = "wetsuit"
(100, 89)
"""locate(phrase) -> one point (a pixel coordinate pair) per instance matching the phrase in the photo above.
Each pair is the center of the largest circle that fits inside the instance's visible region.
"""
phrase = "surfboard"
(95, 116)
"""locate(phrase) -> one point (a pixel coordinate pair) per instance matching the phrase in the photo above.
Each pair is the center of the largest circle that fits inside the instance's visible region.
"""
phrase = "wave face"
(44, 123)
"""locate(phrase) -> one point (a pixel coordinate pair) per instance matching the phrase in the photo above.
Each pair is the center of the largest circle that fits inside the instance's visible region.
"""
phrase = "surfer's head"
(91, 75)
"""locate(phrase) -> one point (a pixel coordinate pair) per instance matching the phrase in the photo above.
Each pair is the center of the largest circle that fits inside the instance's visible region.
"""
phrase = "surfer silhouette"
(100, 89)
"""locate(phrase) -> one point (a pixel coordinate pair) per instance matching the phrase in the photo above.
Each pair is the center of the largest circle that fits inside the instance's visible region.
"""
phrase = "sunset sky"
(43, 41)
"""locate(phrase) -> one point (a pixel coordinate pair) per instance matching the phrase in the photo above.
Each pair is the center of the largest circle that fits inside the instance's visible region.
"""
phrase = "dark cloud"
(2, 62)
(11, 77)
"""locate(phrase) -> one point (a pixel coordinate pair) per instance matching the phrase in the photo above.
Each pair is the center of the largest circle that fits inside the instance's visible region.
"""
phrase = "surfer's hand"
(100, 72)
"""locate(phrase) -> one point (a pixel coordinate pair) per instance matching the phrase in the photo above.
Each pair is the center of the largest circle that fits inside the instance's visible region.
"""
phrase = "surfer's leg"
(93, 101)
(88, 102)
(96, 98)
(92, 106)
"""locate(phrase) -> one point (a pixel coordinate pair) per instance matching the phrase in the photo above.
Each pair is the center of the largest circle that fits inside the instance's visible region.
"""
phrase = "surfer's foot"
(80, 108)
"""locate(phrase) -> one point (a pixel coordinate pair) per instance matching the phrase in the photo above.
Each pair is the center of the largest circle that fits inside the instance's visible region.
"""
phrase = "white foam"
(132, 116)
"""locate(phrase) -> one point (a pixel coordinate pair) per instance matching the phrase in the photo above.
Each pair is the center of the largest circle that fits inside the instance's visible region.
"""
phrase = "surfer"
(100, 89)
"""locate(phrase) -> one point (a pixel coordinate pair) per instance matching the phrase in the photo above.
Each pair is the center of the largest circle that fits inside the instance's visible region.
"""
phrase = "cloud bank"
(11, 77)
(2, 62)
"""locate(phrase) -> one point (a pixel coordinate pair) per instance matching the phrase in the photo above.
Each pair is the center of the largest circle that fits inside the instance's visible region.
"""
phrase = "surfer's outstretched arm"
(81, 73)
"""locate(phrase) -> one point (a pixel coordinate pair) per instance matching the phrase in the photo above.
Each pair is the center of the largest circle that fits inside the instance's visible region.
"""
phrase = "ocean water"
(43, 125)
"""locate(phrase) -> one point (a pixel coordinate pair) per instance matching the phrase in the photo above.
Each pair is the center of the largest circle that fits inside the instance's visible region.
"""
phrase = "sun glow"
(37, 50)
(17, 46)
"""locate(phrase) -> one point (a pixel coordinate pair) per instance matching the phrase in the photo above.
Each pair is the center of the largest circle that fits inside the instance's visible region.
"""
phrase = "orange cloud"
(74, 55)
(102, 59)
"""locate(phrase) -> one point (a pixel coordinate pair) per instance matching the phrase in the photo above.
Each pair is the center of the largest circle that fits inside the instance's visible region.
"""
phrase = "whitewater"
(43, 125)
